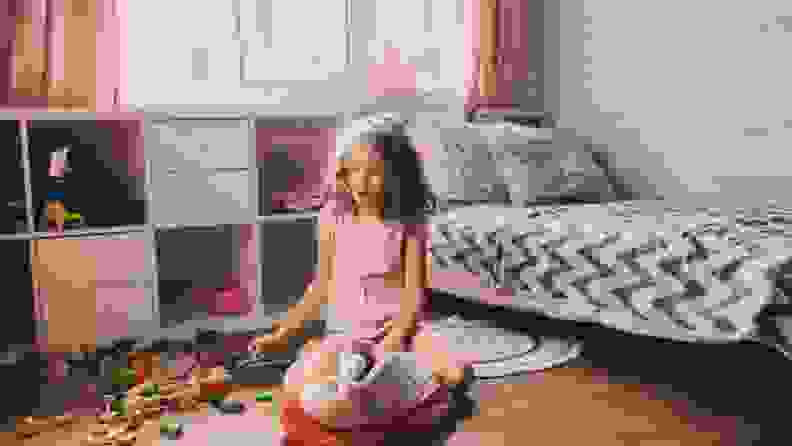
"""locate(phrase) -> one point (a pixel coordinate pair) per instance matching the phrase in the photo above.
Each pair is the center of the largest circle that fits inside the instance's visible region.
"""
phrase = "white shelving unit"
(198, 165)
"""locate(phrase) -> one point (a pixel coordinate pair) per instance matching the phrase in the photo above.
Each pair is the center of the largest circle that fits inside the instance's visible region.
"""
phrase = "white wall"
(684, 97)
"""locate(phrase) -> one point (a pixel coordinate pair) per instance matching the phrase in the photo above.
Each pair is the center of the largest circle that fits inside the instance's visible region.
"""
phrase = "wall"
(684, 99)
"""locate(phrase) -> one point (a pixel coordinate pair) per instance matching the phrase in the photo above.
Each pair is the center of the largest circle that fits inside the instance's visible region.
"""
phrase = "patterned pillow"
(460, 168)
(547, 172)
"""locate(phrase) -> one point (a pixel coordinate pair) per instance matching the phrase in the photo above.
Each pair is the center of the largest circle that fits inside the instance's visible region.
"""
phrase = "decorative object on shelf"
(230, 300)
(57, 216)
(56, 211)
(488, 69)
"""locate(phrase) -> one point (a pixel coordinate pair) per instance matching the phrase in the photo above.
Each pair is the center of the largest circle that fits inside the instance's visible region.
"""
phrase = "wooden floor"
(562, 406)
(565, 406)
(625, 390)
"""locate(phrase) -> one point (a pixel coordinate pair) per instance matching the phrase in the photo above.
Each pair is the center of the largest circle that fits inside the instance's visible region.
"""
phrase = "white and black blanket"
(645, 267)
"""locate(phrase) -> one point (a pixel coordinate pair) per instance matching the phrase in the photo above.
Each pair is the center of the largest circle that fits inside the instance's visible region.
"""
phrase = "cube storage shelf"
(175, 235)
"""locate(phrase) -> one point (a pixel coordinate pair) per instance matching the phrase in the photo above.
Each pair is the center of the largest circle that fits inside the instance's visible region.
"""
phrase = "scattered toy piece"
(62, 420)
(119, 405)
(151, 411)
(228, 406)
(127, 438)
(125, 376)
(136, 420)
(151, 401)
(171, 428)
(32, 426)
(114, 434)
(150, 389)
(109, 417)
(169, 388)
(99, 429)
(98, 440)
(264, 396)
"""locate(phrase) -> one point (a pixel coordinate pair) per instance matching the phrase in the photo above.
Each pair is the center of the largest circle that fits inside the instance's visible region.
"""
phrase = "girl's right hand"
(275, 342)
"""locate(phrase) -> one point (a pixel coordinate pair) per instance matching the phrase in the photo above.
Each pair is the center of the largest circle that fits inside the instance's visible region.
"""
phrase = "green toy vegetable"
(150, 389)
(124, 376)
(119, 406)
(72, 216)
(170, 426)
(264, 396)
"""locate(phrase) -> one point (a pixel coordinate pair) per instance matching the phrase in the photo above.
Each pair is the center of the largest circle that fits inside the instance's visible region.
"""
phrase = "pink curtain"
(23, 35)
(33, 40)
(511, 51)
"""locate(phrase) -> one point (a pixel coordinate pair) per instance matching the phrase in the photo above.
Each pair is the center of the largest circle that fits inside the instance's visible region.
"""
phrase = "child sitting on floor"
(372, 279)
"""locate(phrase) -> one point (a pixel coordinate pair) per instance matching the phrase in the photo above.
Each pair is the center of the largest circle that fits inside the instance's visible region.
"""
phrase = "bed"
(647, 267)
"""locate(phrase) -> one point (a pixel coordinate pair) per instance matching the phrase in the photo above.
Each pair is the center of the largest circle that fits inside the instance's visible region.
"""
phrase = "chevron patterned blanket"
(644, 267)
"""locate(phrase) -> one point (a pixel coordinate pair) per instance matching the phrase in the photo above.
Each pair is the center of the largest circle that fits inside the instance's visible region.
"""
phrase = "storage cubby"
(205, 272)
(105, 181)
(13, 208)
(288, 256)
(17, 319)
(292, 157)
(95, 289)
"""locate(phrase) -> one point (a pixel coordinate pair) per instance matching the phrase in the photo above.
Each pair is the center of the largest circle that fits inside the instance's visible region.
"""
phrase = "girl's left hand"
(393, 342)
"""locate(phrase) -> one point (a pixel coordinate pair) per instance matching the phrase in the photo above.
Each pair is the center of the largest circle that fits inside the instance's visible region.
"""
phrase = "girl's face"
(363, 175)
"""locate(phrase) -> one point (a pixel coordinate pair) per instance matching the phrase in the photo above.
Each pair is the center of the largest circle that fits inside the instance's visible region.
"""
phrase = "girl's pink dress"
(364, 252)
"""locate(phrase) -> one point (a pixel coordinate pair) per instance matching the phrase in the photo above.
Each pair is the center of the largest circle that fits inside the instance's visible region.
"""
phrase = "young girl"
(371, 277)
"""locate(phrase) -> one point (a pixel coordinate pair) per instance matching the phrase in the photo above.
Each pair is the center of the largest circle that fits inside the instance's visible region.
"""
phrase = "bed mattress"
(644, 267)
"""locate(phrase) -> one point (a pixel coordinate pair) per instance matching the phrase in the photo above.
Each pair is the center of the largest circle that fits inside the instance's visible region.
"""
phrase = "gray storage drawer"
(208, 144)
(190, 197)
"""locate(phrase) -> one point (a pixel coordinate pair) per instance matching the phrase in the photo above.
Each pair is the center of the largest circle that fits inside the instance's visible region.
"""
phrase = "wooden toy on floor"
(31, 426)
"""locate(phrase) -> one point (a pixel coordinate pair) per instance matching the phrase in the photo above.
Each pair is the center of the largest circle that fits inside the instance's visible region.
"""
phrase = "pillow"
(460, 167)
(547, 172)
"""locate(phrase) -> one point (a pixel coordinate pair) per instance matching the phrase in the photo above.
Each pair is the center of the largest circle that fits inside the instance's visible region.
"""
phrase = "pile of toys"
(126, 413)
(144, 392)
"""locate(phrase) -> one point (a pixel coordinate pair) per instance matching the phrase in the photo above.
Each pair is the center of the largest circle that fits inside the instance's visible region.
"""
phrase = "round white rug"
(500, 352)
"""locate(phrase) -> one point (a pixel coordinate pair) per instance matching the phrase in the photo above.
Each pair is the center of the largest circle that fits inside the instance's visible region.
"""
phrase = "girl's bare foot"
(452, 375)
(456, 375)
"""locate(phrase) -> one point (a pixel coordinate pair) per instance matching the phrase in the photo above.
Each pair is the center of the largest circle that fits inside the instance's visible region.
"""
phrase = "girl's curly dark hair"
(408, 195)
